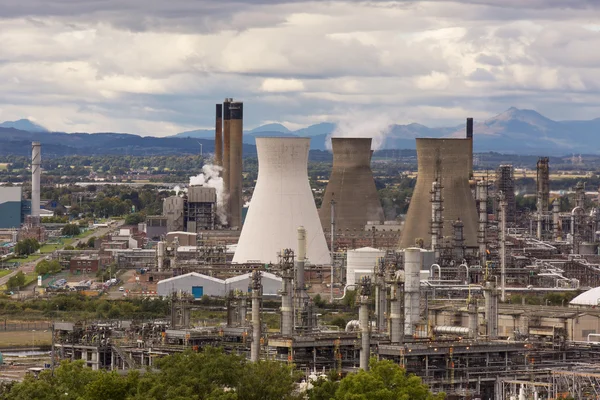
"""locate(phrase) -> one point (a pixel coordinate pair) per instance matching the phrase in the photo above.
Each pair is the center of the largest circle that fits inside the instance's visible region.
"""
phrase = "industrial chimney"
(447, 161)
(36, 171)
(470, 137)
(226, 154)
(236, 113)
(351, 186)
(219, 135)
(281, 202)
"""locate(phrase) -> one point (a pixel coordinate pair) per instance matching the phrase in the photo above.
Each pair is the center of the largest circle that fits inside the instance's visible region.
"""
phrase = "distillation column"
(395, 314)
(256, 295)
(287, 311)
(491, 309)
(412, 283)
(503, 206)
(436, 218)
(363, 321)
(473, 319)
(160, 255)
(555, 217)
(481, 234)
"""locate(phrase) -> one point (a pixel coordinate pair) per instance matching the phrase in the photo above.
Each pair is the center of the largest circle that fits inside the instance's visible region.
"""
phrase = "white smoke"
(211, 177)
(363, 124)
(177, 190)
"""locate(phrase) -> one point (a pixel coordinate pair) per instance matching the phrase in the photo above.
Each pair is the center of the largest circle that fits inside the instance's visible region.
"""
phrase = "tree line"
(213, 375)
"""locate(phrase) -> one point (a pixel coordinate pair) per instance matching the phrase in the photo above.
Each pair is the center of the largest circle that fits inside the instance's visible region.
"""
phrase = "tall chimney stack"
(236, 113)
(36, 171)
(226, 155)
(219, 136)
(470, 137)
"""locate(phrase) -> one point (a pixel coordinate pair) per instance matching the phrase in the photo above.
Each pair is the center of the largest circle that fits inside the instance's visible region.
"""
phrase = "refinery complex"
(434, 291)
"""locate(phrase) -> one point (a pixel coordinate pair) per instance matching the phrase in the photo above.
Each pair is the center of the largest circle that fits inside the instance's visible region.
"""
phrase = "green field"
(4, 272)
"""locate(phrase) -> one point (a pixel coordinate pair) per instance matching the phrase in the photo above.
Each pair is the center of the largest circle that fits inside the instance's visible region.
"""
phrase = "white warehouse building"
(199, 285)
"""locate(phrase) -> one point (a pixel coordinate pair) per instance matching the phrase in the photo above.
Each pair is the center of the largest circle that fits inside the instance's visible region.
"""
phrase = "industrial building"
(194, 212)
(282, 201)
(351, 194)
(11, 207)
(198, 285)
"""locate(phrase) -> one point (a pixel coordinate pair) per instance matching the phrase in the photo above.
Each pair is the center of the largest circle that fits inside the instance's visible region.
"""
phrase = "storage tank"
(282, 201)
(352, 186)
(446, 160)
(361, 262)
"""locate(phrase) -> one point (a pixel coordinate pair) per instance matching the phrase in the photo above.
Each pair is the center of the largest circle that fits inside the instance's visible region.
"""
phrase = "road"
(30, 266)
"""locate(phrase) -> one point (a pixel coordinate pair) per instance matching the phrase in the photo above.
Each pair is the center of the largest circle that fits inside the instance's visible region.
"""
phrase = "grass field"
(25, 338)
(4, 272)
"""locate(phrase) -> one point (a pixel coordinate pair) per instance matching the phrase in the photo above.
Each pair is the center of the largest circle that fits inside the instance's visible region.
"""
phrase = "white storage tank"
(361, 262)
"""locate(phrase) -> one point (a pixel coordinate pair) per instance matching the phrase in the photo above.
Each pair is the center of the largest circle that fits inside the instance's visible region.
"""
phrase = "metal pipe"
(431, 275)
(451, 330)
(365, 351)
(36, 171)
(467, 281)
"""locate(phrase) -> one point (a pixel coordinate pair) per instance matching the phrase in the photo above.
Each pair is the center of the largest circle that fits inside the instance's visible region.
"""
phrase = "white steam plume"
(210, 177)
(363, 125)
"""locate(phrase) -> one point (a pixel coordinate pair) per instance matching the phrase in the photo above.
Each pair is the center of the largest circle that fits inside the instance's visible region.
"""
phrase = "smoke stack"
(226, 155)
(236, 113)
(36, 171)
(281, 202)
(352, 184)
(219, 135)
(470, 137)
(447, 161)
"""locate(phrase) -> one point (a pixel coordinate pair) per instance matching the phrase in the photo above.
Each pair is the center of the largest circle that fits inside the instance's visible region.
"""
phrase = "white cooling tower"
(282, 201)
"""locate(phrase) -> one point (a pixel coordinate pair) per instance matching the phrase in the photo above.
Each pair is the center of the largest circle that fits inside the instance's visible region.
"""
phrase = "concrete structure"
(10, 206)
(281, 202)
(351, 186)
(235, 164)
(36, 173)
(200, 285)
(200, 209)
(182, 238)
(361, 262)
(219, 135)
(173, 209)
(447, 161)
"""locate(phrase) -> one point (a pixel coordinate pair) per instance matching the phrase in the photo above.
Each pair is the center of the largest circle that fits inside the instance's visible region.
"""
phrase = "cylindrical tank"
(282, 201)
(226, 155)
(36, 172)
(351, 186)
(160, 255)
(451, 330)
(219, 135)
(361, 262)
(236, 130)
(446, 160)
(412, 287)
(395, 315)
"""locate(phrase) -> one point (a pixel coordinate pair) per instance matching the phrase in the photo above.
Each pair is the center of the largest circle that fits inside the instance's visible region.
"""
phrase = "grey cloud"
(481, 75)
(489, 59)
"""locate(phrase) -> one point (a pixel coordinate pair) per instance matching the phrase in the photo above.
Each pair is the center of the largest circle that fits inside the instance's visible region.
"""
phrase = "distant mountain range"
(514, 131)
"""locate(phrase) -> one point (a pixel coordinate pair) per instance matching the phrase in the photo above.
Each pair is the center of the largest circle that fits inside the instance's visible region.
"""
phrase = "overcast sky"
(157, 67)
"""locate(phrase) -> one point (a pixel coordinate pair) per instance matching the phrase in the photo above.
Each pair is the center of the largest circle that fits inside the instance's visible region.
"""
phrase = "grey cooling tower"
(351, 185)
(448, 161)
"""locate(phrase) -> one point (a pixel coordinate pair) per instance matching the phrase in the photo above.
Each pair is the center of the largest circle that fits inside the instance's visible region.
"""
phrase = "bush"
(27, 246)
(70, 230)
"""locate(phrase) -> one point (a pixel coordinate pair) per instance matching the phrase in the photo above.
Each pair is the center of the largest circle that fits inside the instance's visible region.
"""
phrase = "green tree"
(384, 381)
(70, 230)
(27, 246)
(16, 281)
(134, 219)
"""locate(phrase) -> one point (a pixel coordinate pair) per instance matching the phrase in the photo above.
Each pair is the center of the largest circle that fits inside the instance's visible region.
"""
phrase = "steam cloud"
(210, 177)
(363, 124)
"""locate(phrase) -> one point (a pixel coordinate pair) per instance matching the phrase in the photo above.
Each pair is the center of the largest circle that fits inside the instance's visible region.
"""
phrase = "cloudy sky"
(157, 67)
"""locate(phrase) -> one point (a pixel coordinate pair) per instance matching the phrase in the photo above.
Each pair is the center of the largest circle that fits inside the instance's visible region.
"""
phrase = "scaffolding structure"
(505, 183)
